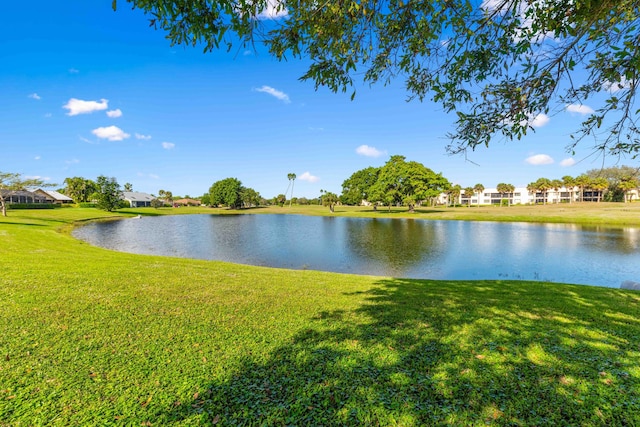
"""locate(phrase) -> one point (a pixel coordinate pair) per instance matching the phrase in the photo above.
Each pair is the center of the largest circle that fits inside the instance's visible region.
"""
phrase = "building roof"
(187, 201)
(135, 196)
(56, 195)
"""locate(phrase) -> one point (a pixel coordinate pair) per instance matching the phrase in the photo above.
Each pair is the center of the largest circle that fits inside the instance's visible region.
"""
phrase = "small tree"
(14, 182)
(329, 199)
(280, 200)
(108, 195)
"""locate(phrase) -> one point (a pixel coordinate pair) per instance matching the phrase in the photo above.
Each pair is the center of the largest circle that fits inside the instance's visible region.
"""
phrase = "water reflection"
(388, 247)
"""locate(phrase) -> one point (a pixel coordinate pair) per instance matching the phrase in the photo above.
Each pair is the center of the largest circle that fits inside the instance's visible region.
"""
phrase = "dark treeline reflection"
(397, 246)
(412, 248)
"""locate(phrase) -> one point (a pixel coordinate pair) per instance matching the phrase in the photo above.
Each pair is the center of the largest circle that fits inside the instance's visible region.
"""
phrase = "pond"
(410, 248)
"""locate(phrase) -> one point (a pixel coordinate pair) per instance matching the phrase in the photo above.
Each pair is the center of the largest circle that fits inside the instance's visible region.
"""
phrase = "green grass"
(97, 337)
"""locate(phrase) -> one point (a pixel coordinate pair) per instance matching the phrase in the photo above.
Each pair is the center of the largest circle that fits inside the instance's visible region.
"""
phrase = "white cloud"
(73, 71)
(365, 150)
(168, 145)
(539, 159)
(114, 113)
(275, 92)
(34, 96)
(580, 109)
(72, 161)
(308, 177)
(273, 10)
(141, 136)
(47, 115)
(539, 120)
(568, 162)
(154, 176)
(111, 133)
(37, 158)
(614, 87)
(78, 106)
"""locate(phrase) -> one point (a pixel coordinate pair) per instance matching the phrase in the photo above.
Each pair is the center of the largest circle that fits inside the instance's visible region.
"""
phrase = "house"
(187, 202)
(21, 196)
(136, 199)
(53, 196)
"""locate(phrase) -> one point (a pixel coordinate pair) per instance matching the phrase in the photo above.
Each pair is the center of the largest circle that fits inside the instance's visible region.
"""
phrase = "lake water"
(411, 248)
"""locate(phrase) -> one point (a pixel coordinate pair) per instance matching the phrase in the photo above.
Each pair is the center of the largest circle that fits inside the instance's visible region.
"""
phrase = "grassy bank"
(96, 337)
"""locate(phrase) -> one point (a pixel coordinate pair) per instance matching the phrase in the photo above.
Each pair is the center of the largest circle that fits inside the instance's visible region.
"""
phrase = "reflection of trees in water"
(621, 240)
(395, 243)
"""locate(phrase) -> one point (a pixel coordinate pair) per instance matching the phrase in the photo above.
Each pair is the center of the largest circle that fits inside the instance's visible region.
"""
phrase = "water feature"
(412, 248)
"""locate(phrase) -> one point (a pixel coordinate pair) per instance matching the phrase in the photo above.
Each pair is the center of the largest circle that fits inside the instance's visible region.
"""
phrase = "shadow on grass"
(23, 223)
(446, 353)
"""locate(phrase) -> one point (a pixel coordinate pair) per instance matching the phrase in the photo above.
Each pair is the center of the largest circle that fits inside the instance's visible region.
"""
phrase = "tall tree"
(626, 185)
(600, 185)
(506, 189)
(556, 184)
(226, 192)
(292, 179)
(583, 182)
(249, 197)
(468, 194)
(166, 196)
(108, 194)
(15, 182)
(79, 189)
(406, 182)
(497, 64)
(532, 188)
(357, 187)
(544, 185)
(454, 194)
(478, 188)
(128, 186)
(569, 183)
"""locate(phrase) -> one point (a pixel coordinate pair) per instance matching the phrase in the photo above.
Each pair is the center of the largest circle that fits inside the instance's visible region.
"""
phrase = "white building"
(522, 196)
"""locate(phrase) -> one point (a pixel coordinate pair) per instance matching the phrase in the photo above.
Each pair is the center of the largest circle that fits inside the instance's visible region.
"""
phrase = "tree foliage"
(356, 188)
(108, 195)
(329, 199)
(226, 192)
(79, 189)
(402, 182)
(496, 64)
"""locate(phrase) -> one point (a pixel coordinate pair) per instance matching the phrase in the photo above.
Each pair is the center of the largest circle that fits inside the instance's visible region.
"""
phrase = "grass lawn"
(96, 337)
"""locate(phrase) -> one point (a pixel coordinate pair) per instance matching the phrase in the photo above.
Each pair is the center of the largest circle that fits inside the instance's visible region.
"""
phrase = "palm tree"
(569, 183)
(505, 189)
(600, 184)
(454, 193)
(544, 185)
(468, 193)
(556, 184)
(627, 184)
(478, 188)
(292, 179)
(533, 188)
(582, 181)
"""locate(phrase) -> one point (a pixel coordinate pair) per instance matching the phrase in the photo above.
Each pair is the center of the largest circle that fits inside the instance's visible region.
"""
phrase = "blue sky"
(87, 91)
